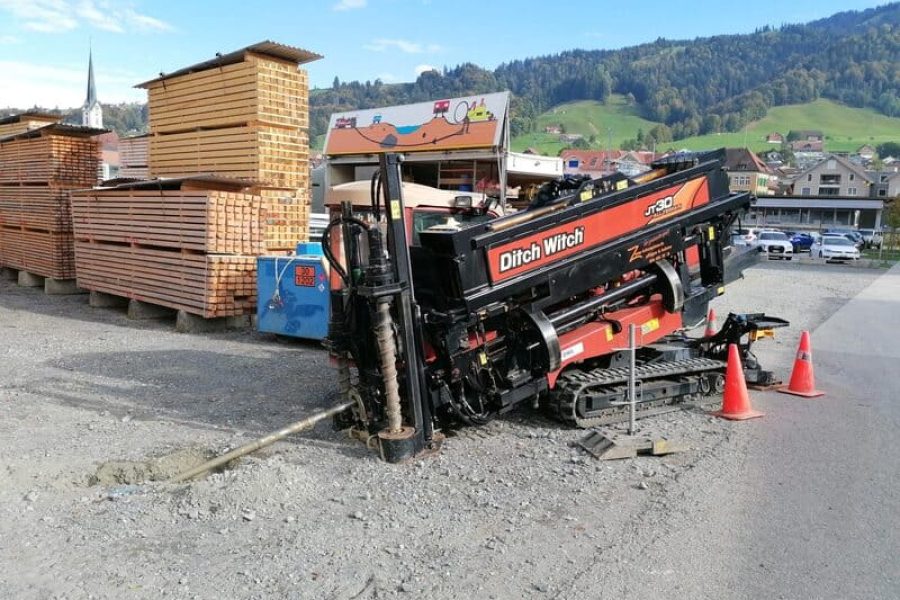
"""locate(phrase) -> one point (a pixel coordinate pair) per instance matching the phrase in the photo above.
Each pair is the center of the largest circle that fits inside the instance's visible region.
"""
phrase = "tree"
(888, 149)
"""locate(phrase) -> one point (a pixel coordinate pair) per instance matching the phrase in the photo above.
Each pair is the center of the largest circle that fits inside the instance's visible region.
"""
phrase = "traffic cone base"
(743, 416)
(735, 400)
(786, 389)
(803, 381)
(710, 324)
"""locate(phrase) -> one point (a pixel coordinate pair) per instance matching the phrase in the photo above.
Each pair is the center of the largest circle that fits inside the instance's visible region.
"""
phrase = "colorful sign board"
(448, 124)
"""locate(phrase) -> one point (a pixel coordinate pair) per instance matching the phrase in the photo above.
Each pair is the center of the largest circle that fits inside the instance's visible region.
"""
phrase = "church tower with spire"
(91, 112)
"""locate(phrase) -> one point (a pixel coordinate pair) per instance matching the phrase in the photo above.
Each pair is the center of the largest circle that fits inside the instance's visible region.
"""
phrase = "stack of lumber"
(134, 156)
(243, 115)
(188, 244)
(37, 170)
(21, 123)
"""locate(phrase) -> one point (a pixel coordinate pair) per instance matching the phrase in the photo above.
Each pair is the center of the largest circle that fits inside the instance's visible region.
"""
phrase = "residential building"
(775, 138)
(598, 163)
(834, 176)
(747, 173)
(568, 138)
(553, 129)
(806, 135)
(866, 152)
(886, 184)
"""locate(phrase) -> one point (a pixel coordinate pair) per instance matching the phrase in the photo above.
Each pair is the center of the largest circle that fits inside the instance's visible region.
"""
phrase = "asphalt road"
(809, 505)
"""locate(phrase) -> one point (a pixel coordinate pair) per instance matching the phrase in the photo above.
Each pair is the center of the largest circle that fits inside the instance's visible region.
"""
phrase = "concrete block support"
(101, 300)
(142, 311)
(27, 279)
(188, 323)
(7, 274)
(62, 287)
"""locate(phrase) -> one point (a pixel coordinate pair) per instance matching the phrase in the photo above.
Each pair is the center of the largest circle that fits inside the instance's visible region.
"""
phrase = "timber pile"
(21, 123)
(37, 169)
(188, 244)
(243, 115)
(133, 156)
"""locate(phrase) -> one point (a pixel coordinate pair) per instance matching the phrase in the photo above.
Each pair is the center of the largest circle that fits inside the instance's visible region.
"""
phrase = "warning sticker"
(304, 276)
(572, 351)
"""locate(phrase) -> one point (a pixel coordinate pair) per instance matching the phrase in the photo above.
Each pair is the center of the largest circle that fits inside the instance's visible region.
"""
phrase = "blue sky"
(44, 43)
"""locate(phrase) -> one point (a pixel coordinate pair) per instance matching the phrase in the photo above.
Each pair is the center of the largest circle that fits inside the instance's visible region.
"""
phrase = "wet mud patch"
(162, 468)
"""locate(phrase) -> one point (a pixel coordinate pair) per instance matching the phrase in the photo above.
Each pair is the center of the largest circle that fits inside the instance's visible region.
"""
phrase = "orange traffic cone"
(710, 324)
(736, 401)
(802, 379)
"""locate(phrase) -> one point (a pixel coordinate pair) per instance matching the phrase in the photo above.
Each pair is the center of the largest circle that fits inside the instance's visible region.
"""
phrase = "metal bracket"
(604, 446)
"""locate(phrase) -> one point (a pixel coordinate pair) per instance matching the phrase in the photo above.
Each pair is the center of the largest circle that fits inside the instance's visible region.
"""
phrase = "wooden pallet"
(35, 207)
(44, 253)
(197, 220)
(210, 286)
(259, 89)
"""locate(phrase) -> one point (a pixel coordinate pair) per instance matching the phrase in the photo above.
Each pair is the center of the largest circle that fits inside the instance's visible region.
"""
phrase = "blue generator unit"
(293, 294)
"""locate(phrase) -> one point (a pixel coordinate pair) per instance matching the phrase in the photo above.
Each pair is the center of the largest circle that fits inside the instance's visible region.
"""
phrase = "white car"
(775, 244)
(742, 237)
(835, 248)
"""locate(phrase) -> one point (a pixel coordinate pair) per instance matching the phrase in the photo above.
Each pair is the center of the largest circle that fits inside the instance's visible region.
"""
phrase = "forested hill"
(700, 86)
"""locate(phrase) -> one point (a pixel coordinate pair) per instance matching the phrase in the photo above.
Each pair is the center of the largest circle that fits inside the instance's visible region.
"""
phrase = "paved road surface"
(810, 508)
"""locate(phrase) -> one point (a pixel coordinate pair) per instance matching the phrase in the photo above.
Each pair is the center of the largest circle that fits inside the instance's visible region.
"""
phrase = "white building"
(91, 112)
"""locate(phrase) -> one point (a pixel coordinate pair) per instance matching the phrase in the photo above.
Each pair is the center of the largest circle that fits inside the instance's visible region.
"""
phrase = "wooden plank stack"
(134, 157)
(16, 124)
(187, 244)
(242, 115)
(37, 170)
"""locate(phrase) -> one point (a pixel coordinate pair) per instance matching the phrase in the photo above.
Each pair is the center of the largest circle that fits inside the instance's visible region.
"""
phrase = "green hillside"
(614, 121)
(845, 128)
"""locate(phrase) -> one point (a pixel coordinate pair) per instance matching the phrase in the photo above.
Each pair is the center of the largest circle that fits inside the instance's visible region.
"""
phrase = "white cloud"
(9, 40)
(423, 68)
(55, 16)
(349, 4)
(63, 85)
(384, 44)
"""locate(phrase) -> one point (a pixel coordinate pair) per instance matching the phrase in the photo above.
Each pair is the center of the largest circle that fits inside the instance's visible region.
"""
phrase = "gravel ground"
(89, 399)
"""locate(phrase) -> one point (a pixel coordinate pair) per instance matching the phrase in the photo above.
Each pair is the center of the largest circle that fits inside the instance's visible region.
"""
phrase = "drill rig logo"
(554, 244)
(661, 207)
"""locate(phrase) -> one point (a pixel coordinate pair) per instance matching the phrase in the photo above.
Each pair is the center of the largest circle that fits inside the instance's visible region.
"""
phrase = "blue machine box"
(292, 293)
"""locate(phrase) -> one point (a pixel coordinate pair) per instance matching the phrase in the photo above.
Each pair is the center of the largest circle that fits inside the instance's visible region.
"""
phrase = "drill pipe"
(262, 442)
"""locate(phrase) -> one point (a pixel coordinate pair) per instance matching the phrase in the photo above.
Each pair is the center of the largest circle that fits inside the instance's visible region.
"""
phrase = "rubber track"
(574, 382)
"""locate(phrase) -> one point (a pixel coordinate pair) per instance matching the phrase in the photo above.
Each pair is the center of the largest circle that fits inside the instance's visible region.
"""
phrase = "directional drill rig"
(456, 323)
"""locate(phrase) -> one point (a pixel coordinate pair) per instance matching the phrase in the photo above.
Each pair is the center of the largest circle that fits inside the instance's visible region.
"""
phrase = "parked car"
(835, 248)
(742, 237)
(802, 241)
(775, 244)
(853, 236)
(871, 237)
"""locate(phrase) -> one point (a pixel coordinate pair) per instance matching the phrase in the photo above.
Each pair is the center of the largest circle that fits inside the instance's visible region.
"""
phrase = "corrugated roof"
(267, 48)
(30, 116)
(57, 129)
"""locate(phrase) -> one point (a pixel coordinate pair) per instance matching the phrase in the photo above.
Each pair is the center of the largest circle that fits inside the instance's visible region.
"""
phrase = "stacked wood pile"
(242, 115)
(134, 157)
(189, 244)
(37, 170)
(16, 124)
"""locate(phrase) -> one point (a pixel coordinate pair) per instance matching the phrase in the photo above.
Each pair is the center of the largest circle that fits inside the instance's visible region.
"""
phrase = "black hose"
(375, 194)
(326, 245)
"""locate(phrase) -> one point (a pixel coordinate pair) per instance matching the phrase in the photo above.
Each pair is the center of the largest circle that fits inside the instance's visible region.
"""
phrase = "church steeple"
(91, 112)
(91, 89)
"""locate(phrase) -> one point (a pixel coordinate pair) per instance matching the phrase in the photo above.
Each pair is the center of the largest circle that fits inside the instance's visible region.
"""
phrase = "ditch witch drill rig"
(459, 322)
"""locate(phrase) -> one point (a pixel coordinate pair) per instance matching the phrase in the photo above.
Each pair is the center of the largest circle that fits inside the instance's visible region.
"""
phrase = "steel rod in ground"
(262, 442)
(632, 385)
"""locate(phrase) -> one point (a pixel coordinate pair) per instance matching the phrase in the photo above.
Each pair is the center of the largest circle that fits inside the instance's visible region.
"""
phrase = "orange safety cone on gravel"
(803, 382)
(736, 400)
(710, 324)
